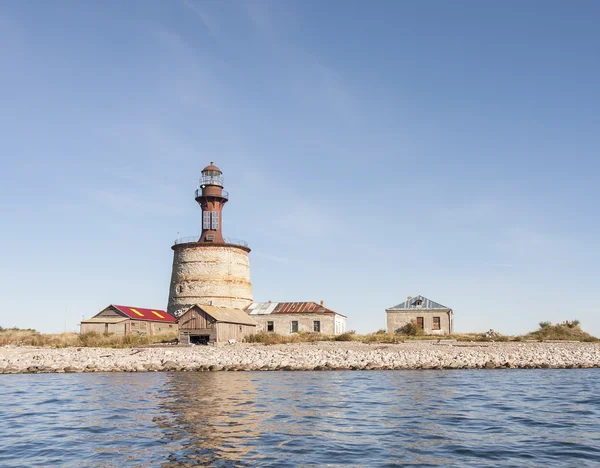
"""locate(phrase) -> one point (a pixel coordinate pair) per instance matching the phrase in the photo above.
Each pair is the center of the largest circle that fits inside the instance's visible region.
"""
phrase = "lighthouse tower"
(211, 270)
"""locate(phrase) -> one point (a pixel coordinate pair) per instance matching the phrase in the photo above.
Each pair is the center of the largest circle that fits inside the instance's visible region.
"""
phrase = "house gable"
(418, 303)
(195, 318)
(110, 312)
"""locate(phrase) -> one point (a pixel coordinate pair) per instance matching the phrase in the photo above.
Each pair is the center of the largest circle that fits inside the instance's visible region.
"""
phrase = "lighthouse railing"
(228, 240)
(232, 240)
(224, 194)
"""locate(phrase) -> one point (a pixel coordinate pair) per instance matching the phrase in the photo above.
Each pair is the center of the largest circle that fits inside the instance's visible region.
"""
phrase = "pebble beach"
(302, 357)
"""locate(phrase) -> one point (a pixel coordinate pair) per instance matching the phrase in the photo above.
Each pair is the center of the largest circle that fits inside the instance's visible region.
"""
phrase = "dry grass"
(64, 340)
(274, 338)
(561, 331)
(547, 331)
(379, 337)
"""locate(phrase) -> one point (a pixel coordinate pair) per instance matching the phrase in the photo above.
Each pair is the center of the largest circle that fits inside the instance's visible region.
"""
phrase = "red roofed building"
(126, 320)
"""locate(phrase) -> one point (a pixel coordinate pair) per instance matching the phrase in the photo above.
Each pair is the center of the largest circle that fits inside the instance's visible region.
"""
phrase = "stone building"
(431, 317)
(286, 318)
(125, 320)
(203, 324)
(210, 269)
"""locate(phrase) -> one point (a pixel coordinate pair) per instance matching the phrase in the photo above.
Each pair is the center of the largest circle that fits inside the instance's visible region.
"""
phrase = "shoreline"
(302, 357)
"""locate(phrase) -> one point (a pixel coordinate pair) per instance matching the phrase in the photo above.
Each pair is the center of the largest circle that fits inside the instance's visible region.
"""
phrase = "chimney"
(409, 298)
(321, 303)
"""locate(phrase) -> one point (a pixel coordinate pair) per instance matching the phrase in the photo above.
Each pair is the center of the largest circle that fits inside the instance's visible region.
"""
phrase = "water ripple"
(373, 418)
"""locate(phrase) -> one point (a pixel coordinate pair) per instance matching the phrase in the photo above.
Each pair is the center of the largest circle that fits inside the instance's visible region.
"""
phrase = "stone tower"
(211, 270)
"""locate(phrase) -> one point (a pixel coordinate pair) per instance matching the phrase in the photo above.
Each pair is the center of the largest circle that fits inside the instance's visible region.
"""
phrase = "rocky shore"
(302, 356)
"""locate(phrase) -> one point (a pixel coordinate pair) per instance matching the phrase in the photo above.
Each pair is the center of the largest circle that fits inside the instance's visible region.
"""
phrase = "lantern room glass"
(211, 178)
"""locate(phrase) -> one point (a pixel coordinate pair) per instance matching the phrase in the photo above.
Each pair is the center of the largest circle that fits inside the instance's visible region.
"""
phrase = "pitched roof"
(412, 304)
(266, 308)
(139, 313)
(224, 314)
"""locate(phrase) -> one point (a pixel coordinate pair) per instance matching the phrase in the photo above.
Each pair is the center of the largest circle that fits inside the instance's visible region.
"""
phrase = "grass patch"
(268, 338)
(29, 337)
(568, 330)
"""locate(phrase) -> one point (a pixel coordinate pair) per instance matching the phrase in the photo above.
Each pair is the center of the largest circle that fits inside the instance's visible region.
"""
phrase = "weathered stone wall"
(397, 319)
(210, 275)
(136, 327)
(116, 328)
(160, 328)
(283, 323)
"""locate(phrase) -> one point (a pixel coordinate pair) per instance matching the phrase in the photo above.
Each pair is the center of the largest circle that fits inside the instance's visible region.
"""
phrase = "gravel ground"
(302, 356)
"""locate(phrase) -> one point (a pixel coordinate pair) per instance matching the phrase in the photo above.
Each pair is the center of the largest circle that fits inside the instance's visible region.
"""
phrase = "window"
(240, 328)
(294, 326)
(420, 322)
(215, 220)
(170, 326)
(270, 326)
(180, 288)
(317, 326)
(206, 220)
(418, 302)
(436, 323)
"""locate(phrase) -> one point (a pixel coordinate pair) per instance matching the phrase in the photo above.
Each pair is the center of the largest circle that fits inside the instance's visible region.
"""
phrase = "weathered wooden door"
(420, 322)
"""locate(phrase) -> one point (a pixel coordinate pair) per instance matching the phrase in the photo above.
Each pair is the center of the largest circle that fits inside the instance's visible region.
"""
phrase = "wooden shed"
(204, 324)
(126, 320)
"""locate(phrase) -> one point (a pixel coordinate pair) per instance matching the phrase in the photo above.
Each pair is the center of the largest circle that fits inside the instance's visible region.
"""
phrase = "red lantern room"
(211, 197)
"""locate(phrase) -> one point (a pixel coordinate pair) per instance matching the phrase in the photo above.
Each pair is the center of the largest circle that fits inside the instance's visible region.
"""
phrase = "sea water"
(510, 417)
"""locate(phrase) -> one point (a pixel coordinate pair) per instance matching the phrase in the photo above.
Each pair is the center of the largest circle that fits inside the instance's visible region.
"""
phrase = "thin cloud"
(187, 76)
(273, 258)
(259, 15)
(131, 205)
(209, 21)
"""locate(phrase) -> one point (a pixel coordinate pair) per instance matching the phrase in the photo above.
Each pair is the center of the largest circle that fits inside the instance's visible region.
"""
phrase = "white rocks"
(302, 356)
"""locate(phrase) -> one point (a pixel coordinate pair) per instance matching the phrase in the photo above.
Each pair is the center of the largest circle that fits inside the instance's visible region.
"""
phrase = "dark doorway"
(199, 339)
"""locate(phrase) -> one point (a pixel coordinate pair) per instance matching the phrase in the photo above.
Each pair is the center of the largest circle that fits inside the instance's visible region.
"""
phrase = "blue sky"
(372, 150)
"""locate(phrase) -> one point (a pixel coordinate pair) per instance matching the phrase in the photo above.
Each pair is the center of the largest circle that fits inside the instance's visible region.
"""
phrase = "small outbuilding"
(286, 318)
(431, 317)
(204, 324)
(126, 320)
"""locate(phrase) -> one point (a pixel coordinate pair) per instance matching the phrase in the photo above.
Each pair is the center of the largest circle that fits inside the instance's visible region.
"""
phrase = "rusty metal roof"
(224, 314)
(139, 313)
(265, 308)
(211, 167)
(419, 303)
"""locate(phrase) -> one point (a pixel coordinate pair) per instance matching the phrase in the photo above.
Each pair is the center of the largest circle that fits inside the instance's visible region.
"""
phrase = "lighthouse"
(211, 269)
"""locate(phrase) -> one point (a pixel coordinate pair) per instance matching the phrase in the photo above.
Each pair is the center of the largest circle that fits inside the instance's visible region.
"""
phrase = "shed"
(127, 320)
(204, 324)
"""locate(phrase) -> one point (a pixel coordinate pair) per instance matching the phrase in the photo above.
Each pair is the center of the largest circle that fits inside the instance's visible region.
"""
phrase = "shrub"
(571, 323)
(563, 331)
(381, 331)
(266, 338)
(411, 329)
(348, 336)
